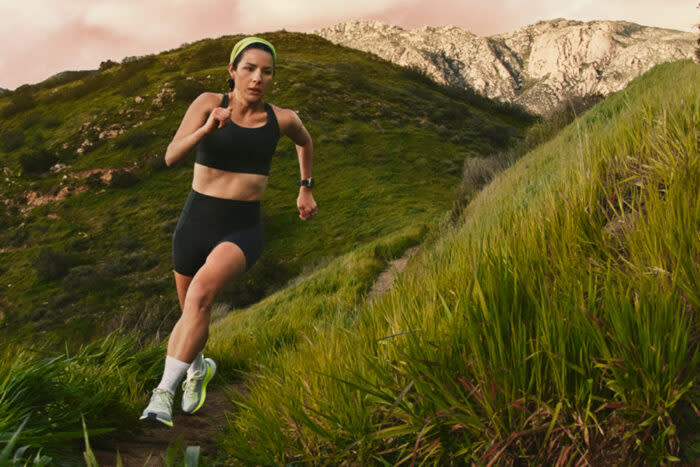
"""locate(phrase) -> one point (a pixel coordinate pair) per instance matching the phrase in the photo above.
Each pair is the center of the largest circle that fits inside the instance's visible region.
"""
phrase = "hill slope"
(557, 324)
(89, 208)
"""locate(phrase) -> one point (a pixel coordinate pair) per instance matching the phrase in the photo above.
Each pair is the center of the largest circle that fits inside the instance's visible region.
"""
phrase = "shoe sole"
(211, 370)
(151, 417)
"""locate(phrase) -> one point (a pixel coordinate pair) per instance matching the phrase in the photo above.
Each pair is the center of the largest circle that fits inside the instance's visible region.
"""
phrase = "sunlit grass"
(557, 323)
(102, 383)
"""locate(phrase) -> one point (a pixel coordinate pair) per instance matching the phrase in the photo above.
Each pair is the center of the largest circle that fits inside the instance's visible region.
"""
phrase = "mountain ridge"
(537, 66)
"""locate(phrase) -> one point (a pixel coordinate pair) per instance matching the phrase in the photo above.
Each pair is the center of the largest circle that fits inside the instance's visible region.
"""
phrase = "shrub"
(187, 89)
(19, 236)
(266, 274)
(478, 172)
(154, 163)
(123, 179)
(50, 264)
(84, 277)
(37, 161)
(94, 180)
(134, 85)
(11, 140)
(151, 318)
(127, 242)
(137, 261)
(133, 139)
(19, 102)
(51, 121)
(106, 65)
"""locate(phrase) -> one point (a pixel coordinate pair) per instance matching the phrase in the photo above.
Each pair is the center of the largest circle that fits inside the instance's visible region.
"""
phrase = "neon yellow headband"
(243, 43)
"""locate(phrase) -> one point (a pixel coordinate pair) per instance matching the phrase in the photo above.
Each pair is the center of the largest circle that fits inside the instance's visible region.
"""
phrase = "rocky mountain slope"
(537, 66)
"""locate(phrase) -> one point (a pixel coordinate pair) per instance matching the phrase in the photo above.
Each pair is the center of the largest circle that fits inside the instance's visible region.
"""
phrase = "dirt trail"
(150, 445)
(386, 278)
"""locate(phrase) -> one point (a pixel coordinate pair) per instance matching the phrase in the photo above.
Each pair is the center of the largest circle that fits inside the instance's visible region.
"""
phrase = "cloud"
(43, 37)
(303, 15)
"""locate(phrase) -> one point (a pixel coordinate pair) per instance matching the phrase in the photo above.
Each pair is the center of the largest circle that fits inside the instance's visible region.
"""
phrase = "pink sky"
(42, 37)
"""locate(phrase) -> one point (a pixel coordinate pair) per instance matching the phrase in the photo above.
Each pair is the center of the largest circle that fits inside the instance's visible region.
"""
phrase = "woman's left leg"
(224, 264)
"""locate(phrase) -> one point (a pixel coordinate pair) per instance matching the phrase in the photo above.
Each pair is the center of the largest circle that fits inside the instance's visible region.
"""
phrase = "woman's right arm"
(199, 120)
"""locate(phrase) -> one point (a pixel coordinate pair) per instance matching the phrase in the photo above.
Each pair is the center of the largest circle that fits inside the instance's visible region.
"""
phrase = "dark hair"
(236, 61)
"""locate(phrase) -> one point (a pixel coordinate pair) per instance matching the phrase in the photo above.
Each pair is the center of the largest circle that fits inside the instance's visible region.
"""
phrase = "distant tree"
(106, 65)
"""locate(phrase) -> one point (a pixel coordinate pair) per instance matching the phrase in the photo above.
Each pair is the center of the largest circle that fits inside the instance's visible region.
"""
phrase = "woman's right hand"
(218, 118)
(203, 116)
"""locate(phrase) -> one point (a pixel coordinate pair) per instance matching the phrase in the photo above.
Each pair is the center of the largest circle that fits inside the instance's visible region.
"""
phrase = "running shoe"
(160, 407)
(195, 387)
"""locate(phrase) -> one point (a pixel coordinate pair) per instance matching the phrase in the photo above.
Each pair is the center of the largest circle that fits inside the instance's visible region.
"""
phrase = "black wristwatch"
(307, 182)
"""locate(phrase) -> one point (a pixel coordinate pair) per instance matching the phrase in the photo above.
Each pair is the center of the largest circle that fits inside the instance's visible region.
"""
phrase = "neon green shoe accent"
(160, 407)
(195, 388)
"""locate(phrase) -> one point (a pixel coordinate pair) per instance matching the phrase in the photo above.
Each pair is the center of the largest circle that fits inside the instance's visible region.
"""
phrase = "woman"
(219, 234)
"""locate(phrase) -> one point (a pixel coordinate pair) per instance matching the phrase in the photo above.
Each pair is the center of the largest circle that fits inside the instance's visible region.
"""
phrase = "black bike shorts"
(206, 221)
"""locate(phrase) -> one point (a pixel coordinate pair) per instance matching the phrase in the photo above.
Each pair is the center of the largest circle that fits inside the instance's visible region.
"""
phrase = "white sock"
(173, 373)
(198, 365)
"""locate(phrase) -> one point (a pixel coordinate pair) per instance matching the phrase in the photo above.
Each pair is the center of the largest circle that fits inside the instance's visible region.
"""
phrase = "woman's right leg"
(182, 284)
(225, 263)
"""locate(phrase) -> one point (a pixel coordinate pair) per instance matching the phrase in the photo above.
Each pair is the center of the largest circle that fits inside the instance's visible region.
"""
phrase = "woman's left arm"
(295, 130)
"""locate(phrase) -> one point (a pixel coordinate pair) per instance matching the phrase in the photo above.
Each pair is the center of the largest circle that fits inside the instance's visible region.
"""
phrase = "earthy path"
(386, 278)
(149, 447)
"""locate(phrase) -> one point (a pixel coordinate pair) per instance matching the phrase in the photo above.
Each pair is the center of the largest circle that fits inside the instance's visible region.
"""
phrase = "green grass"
(557, 323)
(102, 384)
(388, 148)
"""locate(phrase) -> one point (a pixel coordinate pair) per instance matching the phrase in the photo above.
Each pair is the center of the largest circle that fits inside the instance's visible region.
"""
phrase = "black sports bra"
(239, 149)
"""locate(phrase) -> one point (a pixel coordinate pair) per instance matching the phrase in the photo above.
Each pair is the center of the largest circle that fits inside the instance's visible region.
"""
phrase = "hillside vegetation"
(556, 324)
(89, 209)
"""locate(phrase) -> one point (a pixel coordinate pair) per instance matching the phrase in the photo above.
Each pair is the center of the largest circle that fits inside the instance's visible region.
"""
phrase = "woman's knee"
(199, 297)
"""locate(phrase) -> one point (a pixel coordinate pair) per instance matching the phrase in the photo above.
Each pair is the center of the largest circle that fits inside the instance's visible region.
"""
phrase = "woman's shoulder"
(208, 100)
(285, 117)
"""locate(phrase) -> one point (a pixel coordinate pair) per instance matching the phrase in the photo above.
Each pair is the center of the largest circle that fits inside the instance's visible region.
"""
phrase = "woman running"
(219, 234)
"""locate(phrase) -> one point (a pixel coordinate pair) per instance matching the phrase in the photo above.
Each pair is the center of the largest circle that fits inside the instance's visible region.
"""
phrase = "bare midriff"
(228, 185)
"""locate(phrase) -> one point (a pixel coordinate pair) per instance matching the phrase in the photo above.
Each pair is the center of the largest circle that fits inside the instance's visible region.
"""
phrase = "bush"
(123, 179)
(476, 174)
(133, 139)
(106, 65)
(50, 264)
(187, 90)
(137, 261)
(19, 102)
(127, 242)
(11, 140)
(134, 85)
(37, 161)
(51, 121)
(265, 275)
(84, 277)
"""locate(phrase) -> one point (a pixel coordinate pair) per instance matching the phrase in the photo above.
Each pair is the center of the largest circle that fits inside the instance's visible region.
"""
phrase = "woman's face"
(253, 74)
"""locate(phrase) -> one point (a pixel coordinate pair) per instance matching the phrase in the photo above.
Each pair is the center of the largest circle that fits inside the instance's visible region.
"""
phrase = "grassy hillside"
(86, 245)
(556, 324)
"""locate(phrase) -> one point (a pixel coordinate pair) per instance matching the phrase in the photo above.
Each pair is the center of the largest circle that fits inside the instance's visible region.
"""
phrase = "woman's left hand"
(306, 204)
